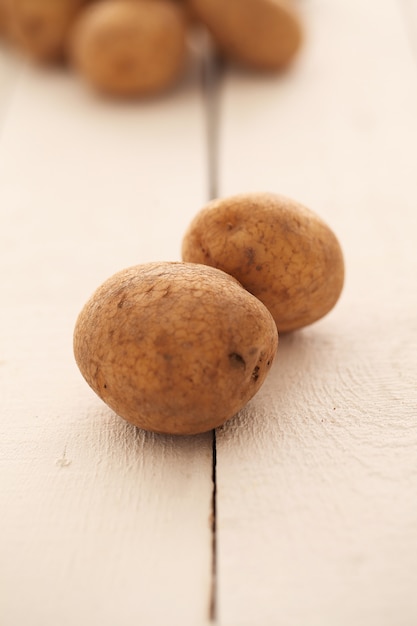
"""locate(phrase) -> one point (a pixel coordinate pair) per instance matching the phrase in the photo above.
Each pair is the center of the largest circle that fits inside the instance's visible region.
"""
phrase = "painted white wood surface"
(317, 478)
(101, 524)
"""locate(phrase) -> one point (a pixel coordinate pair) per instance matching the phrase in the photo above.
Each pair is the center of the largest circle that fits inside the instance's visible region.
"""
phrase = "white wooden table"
(312, 516)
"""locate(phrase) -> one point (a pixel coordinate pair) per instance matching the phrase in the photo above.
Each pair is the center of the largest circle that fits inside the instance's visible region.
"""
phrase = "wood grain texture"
(101, 524)
(316, 506)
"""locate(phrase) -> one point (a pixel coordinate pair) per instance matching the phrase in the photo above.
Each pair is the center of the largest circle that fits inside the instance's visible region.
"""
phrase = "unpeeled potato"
(174, 347)
(279, 250)
(188, 11)
(39, 27)
(261, 34)
(130, 47)
(3, 18)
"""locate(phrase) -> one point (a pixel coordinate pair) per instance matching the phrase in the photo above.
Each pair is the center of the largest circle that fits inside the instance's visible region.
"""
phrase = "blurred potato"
(260, 34)
(39, 27)
(3, 18)
(130, 47)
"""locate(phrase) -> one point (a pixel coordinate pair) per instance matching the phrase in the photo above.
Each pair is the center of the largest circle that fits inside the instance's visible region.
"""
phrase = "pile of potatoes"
(181, 347)
(130, 48)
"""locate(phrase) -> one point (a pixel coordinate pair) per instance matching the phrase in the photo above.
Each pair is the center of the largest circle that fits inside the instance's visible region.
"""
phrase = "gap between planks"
(213, 591)
(212, 72)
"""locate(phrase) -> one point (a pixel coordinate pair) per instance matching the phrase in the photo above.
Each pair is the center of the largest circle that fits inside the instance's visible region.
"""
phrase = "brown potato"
(174, 347)
(3, 18)
(280, 251)
(39, 27)
(262, 34)
(188, 11)
(130, 47)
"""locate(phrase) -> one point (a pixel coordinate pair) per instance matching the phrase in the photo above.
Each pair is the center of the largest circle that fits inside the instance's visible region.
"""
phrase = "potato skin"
(279, 250)
(261, 34)
(130, 47)
(174, 347)
(3, 18)
(39, 27)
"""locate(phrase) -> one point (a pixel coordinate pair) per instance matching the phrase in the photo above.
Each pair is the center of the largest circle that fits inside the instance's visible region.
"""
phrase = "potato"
(262, 34)
(174, 347)
(280, 251)
(3, 18)
(188, 11)
(130, 47)
(39, 27)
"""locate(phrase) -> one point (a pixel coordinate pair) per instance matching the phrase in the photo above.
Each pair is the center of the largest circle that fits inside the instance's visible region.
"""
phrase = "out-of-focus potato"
(188, 11)
(39, 27)
(3, 18)
(174, 347)
(130, 47)
(280, 251)
(261, 34)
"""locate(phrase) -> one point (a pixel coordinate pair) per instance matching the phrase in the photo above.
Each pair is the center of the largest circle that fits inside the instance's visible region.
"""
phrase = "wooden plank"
(316, 504)
(101, 523)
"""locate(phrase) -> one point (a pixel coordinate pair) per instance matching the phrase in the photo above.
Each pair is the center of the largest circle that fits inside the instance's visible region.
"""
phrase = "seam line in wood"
(212, 70)
(213, 590)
